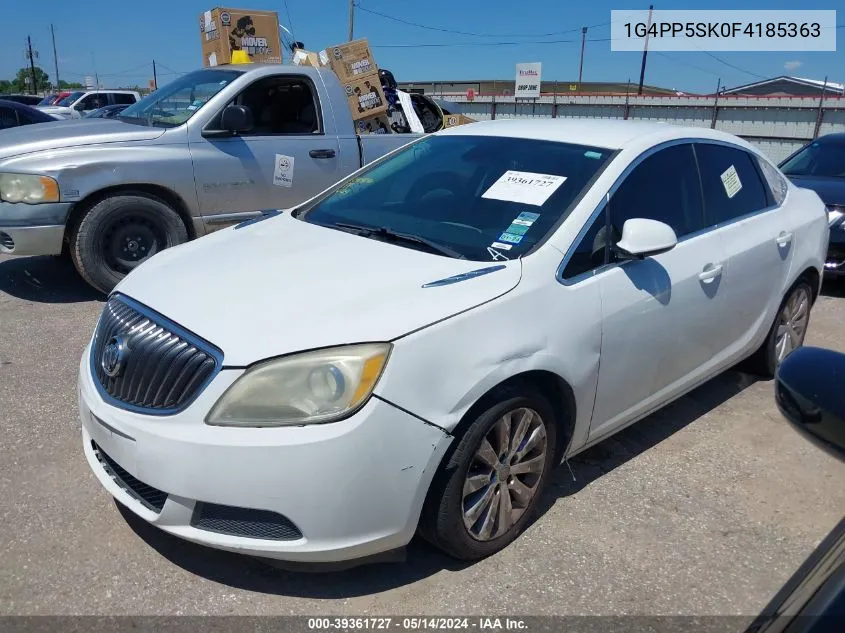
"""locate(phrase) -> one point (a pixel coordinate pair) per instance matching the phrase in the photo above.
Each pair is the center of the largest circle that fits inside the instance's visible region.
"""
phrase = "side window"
(7, 118)
(776, 181)
(647, 192)
(281, 105)
(119, 98)
(731, 183)
(93, 101)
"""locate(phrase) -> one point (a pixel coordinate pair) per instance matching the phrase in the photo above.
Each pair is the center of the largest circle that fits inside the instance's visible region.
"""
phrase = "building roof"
(813, 83)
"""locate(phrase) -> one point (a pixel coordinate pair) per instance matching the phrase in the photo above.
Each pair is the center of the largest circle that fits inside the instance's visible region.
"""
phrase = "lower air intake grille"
(261, 524)
(6, 241)
(151, 498)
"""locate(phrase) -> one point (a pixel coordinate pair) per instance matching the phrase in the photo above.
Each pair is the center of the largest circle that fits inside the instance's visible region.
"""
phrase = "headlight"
(28, 188)
(310, 388)
(834, 214)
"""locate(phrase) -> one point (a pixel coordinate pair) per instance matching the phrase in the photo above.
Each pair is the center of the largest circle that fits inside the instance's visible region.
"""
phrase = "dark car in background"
(820, 166)
(30, 100)
(106, 112)
(13, 114)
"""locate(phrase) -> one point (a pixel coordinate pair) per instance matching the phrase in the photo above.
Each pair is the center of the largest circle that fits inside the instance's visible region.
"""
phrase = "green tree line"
(42, 82)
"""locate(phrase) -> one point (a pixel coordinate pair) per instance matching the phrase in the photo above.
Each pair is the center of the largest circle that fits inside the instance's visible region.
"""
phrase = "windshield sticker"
(192, 107)
(283, 173)
(501, 246)
(526, 218)
(731, 182)
(198, 102)
(517, 229)
(592, 155)
(356, 184)
(525, 187)
(510, 238)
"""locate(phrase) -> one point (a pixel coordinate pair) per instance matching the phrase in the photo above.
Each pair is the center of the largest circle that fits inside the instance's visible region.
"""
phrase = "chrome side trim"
(463, 276)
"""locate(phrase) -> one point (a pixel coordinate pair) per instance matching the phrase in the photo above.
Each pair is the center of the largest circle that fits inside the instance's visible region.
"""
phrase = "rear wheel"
(119, 233)
(486, 492)
(787, 332)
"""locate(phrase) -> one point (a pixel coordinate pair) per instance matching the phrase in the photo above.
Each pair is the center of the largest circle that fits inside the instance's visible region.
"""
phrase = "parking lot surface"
(704, 508)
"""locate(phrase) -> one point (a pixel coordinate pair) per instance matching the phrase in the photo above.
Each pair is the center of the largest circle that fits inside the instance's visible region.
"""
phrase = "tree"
(5, 86)
(20, 83)
(73, 85)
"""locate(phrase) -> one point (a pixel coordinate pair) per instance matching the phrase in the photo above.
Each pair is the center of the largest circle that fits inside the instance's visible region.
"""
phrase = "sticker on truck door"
(731, 181)
(283, 173)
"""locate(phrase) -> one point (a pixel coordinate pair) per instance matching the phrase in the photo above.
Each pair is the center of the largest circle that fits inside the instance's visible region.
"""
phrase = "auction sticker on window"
(524, 187)
(731, 182)
(283, 173)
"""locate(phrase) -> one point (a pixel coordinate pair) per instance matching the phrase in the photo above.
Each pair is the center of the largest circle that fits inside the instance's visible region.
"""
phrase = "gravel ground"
(703, 508)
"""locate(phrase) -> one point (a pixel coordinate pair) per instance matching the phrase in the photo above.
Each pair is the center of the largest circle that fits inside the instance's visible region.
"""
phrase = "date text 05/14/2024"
(416, 623)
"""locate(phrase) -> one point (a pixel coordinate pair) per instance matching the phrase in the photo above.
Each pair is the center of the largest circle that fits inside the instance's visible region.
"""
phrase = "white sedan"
(415, 349)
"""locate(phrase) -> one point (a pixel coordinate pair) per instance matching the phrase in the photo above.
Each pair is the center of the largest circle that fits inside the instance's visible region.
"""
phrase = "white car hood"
(282, 285)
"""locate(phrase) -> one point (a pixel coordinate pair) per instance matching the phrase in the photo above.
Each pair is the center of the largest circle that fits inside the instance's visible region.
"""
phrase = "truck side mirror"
(236, 119)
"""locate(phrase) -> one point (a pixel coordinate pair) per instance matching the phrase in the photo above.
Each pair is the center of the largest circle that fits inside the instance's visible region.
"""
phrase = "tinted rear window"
(731, 183)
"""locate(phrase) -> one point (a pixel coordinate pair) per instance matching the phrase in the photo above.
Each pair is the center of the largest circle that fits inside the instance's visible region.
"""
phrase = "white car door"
(756, 235)
(660, 315)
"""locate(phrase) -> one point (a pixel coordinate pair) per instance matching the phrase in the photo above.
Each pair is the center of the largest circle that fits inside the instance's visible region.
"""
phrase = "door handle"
(783, 239)
(322, 153)
(710, 272)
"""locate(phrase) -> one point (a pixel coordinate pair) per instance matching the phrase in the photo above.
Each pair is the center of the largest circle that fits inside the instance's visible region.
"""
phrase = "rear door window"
(119, 98)
(731, 183)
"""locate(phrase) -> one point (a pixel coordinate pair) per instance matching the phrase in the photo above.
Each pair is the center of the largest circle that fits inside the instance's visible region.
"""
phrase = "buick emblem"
(114, 356)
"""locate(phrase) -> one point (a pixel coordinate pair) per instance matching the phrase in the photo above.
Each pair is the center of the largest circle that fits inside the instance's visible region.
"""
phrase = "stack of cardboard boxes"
(354, 65)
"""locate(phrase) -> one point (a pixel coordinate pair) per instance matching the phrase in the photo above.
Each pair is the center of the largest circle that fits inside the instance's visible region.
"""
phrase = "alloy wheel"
(504, 474)
(792, 323)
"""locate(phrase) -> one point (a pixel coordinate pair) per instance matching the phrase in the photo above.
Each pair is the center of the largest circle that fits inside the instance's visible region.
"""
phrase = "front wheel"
(485, 493)
(119, 233)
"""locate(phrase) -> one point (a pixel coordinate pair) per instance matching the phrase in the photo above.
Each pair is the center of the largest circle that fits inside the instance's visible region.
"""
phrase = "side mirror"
(236, 119)
(642, 238)
(808, 392)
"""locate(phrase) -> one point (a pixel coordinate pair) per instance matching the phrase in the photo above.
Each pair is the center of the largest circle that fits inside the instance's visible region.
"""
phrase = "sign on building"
(89, 83)
(527, 81)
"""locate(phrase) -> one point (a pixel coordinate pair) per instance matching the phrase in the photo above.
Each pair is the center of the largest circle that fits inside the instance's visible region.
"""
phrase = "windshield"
(48, 100)
(68, 100)
(484, 197)
(817, 159)
(178, 101)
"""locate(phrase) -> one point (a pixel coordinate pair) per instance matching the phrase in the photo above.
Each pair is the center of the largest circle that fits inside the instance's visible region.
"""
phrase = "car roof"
(606, 133)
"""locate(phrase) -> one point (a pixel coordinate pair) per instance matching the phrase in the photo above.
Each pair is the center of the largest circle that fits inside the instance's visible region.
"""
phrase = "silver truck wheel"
(121, 232)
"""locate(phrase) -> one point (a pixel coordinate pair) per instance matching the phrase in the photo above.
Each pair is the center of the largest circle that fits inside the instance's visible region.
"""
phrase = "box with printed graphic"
(373, 125)
(225, 30)
(350, 60)
(365, 97)
(451, 120)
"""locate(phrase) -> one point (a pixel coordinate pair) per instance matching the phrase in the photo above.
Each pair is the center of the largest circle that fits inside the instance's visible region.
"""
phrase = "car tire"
(119, 233)
(451, 519)
(786, 334)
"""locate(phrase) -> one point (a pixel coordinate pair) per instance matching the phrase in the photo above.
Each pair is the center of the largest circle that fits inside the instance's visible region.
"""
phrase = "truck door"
(285, 159)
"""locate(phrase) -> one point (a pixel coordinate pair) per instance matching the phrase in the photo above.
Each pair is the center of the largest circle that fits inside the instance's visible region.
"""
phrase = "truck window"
(281, 105)
(119, 98)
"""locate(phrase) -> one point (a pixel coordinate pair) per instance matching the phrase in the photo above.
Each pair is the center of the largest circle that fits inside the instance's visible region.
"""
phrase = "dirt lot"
(703, 508)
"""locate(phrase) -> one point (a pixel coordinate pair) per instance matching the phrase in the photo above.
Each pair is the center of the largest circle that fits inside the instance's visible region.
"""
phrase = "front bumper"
(32, 229)
(352, 489)
(835, 263)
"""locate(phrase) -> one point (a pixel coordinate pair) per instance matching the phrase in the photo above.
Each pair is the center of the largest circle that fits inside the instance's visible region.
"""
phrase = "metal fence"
(776, 125)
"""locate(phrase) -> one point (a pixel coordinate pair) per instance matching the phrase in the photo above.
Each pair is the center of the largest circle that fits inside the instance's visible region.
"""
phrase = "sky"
(120, 39)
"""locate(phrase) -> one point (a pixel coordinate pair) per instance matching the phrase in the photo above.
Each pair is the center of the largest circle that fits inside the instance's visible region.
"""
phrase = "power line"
(685, 63)
(452, 31)
(728, 64)
(290, 21)
(450, 44)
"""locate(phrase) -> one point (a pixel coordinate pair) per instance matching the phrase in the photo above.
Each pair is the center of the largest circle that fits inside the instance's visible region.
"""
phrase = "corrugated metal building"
(505, 87)
(788, 87)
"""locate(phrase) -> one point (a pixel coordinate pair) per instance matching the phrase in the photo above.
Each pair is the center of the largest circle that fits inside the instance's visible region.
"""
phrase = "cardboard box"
(365, 97)
(225, 30)
(306, 58)
(451, 120)
(349, 60)
(373, 125)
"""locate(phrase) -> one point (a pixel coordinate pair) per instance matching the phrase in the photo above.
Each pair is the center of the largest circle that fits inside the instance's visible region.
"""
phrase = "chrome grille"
(164, 367)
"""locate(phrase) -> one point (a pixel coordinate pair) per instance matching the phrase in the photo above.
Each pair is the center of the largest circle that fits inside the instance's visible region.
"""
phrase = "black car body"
(13, 114)
(820, 166)
(31, 100)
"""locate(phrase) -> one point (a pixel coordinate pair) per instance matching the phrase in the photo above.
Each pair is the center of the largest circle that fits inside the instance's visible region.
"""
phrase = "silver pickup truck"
(215, 147)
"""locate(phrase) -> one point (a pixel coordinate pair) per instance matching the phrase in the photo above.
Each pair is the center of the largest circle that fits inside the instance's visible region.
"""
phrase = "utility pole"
(820, 112)
(155, 77)
(31, 56)
(645, 50)
(581, 66)
(351, 18)
(55, 56)
(96, 76)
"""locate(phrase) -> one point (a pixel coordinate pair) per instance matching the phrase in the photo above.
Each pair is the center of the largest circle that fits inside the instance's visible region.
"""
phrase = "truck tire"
(120, 232)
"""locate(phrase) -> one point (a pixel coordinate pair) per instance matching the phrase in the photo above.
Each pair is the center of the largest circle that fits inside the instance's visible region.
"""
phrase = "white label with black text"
(731, 182)
(283, 173)
(524, 187)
